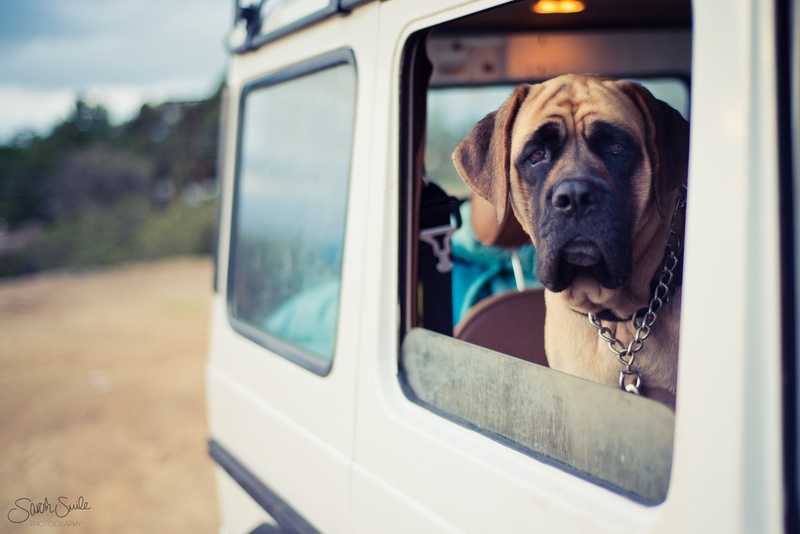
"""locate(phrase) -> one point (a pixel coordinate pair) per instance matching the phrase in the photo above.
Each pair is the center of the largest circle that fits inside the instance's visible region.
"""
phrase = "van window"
(289, 210)
(484, 366)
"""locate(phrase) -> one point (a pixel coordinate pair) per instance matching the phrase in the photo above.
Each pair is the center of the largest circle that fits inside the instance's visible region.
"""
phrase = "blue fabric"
(480, 271)
(308, 319)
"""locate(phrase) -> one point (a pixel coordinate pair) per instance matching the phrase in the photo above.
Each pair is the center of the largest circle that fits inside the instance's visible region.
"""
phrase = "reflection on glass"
(290, 207)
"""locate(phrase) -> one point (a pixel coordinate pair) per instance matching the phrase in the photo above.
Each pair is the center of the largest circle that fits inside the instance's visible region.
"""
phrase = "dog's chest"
(576, 347)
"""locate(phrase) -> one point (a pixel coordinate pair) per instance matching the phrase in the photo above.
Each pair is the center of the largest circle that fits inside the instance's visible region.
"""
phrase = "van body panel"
(446, 477)
(263, 408)
(728, 411)
(352, 451)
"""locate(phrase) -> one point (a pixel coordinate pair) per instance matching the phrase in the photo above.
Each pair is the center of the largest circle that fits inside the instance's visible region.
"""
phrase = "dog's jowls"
(592, 167)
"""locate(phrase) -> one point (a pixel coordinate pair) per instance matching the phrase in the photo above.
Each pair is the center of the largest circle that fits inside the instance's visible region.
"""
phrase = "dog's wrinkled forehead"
(574, 105)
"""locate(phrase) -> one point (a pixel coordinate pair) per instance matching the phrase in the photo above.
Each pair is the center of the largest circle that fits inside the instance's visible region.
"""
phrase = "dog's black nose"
(572, 197)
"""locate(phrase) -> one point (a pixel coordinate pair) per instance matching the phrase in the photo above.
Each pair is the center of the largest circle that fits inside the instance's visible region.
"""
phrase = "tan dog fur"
(491, 161)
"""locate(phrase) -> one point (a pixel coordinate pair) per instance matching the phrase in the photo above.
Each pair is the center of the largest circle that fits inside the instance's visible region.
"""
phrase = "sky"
(118, 53)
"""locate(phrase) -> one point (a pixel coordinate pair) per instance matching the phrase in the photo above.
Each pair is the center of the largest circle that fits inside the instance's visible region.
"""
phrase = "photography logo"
(63, 512)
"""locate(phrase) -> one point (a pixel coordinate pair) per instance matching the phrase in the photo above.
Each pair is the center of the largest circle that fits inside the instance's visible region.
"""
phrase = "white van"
(351, 388)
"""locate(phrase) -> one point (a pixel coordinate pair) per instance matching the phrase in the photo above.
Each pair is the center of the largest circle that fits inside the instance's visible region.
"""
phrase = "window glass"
(289, 220)
(673, 91)
(619, 440)
(452, 113)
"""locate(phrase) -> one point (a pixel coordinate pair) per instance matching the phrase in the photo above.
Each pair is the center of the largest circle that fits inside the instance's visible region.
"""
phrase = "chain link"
(629, 379)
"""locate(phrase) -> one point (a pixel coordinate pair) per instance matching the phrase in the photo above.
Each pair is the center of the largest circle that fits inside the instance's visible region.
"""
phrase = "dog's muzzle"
(583, 231)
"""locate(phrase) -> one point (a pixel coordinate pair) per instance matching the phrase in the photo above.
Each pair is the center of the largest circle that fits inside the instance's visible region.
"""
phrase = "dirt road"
(102, 398)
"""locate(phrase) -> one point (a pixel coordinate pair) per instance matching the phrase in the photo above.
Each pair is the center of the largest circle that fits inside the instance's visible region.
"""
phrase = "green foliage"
(23, 180)
(130, 231)
(94, 177)
(97, 236)
(182, 229)
(107, 194)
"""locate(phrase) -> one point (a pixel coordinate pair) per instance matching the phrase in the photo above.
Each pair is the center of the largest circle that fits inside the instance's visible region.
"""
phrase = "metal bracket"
(441, 251)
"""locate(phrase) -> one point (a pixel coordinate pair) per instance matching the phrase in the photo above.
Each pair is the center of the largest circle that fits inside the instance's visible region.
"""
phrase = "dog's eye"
(538, 155)
(616, 149)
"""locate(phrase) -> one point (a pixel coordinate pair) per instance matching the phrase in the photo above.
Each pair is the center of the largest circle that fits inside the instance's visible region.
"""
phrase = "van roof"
(259, 22)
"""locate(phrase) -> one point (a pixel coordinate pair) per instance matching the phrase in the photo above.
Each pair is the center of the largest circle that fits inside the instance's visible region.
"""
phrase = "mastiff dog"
(594, 169)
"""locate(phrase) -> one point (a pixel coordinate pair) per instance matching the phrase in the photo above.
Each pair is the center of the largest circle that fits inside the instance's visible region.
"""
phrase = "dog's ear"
(667, 143)
(483, 158)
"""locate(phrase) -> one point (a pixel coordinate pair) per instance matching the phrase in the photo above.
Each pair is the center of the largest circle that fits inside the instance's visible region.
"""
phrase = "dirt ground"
(102, 398)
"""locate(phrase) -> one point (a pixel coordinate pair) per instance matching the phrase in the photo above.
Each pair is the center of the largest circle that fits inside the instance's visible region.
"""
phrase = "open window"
(472, 317)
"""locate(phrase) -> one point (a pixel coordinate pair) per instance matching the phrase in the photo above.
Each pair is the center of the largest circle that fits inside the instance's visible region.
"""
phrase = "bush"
(132, 230)
(180, 230)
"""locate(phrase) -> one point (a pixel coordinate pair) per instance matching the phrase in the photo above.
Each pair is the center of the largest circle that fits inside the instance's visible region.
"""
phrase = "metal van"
(351, 389)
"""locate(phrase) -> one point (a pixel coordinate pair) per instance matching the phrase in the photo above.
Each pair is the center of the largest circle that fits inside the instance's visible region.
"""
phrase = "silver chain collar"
(629, 379)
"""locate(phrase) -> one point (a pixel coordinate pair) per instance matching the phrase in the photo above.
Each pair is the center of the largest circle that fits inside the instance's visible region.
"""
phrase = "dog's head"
(589, 165)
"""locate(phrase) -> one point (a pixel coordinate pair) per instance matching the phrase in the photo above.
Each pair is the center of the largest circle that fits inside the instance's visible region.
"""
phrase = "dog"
(594, 169)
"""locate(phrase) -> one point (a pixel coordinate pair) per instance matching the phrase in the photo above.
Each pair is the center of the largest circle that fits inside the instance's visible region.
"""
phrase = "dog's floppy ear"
(667, 143)
(483, 158)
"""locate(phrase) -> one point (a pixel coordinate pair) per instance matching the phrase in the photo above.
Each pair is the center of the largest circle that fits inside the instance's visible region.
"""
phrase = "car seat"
(511, 322)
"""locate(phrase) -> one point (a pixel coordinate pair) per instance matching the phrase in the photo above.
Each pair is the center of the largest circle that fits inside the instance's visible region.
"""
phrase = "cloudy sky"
(119, 53)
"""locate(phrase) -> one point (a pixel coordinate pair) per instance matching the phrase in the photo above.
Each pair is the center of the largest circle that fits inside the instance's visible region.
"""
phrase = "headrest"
(507, 233)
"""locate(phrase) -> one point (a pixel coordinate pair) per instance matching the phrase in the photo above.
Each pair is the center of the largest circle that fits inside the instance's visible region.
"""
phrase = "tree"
(98, 176)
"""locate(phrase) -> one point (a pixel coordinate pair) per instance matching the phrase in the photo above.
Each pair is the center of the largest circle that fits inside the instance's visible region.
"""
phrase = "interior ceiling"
(600, 14)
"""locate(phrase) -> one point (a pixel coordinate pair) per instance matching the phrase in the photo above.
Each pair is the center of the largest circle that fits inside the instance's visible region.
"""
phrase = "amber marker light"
(550, 7)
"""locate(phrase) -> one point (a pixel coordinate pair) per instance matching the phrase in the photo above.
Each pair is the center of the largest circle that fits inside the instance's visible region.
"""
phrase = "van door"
(287, 315)
(453, 437)
(787, 16)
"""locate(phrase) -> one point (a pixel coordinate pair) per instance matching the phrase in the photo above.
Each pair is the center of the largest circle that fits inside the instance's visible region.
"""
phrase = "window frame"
(286, 349)
(415, 86)
(787, 45)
